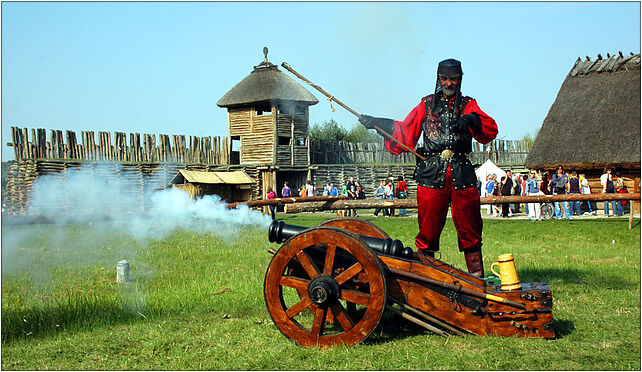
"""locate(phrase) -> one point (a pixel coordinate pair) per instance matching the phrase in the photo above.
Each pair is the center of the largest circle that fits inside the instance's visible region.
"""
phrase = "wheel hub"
(323, 290)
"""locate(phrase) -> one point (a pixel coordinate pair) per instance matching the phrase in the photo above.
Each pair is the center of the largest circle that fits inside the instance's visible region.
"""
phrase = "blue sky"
(160, 67)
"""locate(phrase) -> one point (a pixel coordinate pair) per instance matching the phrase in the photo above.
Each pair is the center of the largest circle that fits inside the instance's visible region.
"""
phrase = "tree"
(529, 139)
(359, 134)
(332, 131)
(327, 131)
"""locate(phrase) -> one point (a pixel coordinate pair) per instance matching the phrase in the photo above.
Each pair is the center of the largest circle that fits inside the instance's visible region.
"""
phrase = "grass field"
(196, 302)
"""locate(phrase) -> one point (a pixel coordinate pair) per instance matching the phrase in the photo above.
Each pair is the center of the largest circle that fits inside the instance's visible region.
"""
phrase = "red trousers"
(433, 209)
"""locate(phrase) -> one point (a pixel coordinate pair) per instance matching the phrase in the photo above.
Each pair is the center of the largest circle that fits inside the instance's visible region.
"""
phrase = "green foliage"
(327, 131)
(333, 132)
(359, 134)
(196, 303)
(529, 139)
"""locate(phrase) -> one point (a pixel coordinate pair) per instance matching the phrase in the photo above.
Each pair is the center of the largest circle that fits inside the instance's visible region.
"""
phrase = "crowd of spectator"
(531, 184)
(551, 183)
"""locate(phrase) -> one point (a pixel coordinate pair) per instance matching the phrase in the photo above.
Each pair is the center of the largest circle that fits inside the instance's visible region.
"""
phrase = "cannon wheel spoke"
(331, 250)
(342, 316)
(349, 273)
(313, 329)
(293, 311)
(294, 282)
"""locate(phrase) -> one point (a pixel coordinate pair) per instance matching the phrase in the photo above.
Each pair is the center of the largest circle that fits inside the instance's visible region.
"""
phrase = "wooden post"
(634, 206)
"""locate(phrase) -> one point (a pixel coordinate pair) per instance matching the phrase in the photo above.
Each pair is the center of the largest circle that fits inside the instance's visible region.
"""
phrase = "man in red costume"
(449, 121)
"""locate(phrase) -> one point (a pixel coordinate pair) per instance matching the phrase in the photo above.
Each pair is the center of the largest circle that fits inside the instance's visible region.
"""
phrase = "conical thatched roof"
(265, 84)
(595, 119)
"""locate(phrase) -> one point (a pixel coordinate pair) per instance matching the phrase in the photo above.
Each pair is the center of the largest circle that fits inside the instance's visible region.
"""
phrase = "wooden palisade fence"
(174, 148)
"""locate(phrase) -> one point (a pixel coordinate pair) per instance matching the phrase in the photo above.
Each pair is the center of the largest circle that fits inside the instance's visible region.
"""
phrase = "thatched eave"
(595, 119)
(266, 84)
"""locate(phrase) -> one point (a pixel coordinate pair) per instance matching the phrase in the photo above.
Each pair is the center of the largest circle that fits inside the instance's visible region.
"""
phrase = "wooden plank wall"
(115, 147)
(502, 152)
(368, 175)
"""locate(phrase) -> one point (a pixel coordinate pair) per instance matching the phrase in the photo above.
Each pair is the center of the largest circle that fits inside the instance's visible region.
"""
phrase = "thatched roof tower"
(264, 85)
(595, 119)
(268, 116)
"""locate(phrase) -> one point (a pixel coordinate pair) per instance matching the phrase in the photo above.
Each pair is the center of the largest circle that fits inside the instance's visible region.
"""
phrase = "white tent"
(489, 168)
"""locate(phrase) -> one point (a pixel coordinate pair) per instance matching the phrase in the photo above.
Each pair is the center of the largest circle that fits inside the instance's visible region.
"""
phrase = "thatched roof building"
(595, 119)
(229, 185)
(265, 84)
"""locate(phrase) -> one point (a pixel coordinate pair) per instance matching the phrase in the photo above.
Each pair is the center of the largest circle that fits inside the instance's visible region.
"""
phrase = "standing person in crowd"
(402, 193)
(380, 193)
(544, 185)
(505, 190)
(534, 209)
(488, 191)
(333, 190)
(522, 180)
(560, 187)
(574, 189)
(497, 208)
(271, 195)
(445, 178)
(389, 193)
(619, 188)
(286, 192)
(608, 188)
(479, 186)
(326, 189)
(361, 193)
(586, 190)
(517, 190)
(352, 194)
(310, 189)
(304, 191)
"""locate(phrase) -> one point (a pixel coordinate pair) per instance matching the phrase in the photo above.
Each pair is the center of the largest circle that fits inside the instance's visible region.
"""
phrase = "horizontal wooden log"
(311, 205)
(283, 201)
(558, 198)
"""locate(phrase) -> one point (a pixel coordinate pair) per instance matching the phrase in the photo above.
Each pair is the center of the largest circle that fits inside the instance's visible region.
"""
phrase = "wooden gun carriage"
(330, 285)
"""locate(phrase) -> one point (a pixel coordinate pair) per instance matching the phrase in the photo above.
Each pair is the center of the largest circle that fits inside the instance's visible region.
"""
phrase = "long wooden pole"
(310, 206)
(331, 98)
(283, 201)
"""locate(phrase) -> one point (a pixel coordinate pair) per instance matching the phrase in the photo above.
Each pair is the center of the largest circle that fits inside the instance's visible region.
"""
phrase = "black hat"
(449, 67)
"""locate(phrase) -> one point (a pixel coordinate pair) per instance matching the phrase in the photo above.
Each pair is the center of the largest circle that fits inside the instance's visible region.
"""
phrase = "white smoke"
(98, 216)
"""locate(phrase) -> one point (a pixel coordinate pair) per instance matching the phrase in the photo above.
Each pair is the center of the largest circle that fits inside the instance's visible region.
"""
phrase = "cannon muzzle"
(280, 231)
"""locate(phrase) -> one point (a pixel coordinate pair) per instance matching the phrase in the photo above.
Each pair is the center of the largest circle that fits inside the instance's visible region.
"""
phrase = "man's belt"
(446, 154)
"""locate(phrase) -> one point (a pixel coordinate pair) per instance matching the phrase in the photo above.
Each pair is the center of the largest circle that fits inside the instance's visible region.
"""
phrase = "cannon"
(331, 284)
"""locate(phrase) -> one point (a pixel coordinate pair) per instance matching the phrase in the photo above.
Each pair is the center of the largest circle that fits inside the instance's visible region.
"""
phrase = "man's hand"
(370, 122)
(468, 121)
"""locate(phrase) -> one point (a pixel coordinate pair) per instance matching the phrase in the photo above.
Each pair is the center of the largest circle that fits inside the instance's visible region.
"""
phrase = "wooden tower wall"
(293, 126)
(271, 138)
(256, 134)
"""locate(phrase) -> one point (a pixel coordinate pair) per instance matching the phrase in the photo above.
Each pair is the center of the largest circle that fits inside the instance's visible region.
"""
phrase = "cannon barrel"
(280, 231)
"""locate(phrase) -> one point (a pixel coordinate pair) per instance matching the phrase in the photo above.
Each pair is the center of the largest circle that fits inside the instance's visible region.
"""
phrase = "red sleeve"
(488, 131)
(408, 130)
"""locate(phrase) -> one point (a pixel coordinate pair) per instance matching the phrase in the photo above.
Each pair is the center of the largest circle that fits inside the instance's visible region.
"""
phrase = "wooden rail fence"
(502, 152)
(165, 148)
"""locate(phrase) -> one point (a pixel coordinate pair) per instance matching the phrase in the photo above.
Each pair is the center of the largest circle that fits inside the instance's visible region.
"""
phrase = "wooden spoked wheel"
(357, 226)
(325, 269)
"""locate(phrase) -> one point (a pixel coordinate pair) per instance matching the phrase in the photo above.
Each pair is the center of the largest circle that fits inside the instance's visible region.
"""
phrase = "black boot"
(474, 262)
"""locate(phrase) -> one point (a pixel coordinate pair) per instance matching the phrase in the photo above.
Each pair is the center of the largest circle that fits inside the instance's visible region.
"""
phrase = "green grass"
(196, 303)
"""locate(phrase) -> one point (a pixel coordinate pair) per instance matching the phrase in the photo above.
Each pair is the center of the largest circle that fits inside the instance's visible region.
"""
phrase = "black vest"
(439, 135)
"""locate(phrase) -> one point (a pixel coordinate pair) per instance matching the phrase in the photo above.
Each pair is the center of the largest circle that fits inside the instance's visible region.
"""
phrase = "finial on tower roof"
(265, 52)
